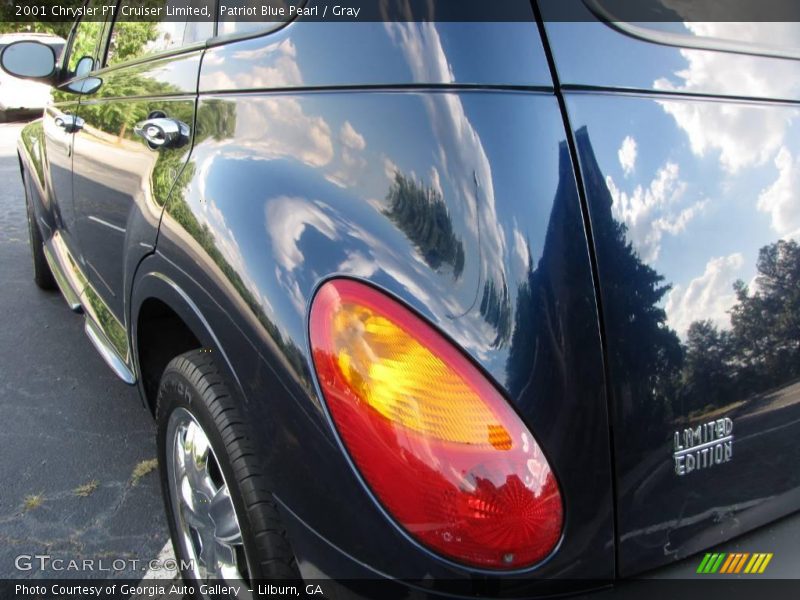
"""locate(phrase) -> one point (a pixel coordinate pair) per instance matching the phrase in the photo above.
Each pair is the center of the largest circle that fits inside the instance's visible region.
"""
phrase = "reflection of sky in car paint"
(357, 142)
(312, 218)
(702, 186)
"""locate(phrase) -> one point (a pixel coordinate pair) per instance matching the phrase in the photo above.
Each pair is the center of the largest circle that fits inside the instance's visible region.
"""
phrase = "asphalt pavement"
(77, 481)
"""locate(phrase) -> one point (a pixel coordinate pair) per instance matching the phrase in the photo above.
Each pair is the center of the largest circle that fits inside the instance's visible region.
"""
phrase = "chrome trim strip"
(106, 223)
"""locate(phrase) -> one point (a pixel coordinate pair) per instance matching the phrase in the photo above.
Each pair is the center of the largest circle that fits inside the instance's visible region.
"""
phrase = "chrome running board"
(106, 350)
(67, 291)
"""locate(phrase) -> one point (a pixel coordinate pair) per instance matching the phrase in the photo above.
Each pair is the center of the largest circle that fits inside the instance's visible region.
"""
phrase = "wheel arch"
(166, 322)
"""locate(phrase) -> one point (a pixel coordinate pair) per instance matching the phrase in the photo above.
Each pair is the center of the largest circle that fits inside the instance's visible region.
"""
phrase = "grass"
(87, 489)
(142, 469)
(32, 501)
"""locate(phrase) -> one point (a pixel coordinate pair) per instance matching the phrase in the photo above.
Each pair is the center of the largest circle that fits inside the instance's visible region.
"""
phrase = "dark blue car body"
(604, 191)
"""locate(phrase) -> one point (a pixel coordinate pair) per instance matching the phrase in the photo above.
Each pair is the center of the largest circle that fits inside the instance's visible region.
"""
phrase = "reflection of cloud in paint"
(743, 135)
(351, 138)
(782, 199)
(282, 70)
(279, 127)
(274, 127)
(351, 164)
(423, 49)
(709, 296)
(463, 159)
(522, 251)
(389, 168)
(436, 182)
(650, 212)
(627, 155)
(286, 220)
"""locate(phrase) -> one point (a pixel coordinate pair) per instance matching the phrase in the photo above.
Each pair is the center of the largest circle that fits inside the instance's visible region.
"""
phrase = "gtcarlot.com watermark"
(46, 562)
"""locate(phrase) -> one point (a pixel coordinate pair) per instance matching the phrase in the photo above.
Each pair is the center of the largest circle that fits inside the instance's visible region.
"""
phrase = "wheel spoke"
(225, 561)
(207, 517)
(196, 453)
(223, 515)
(207, 556)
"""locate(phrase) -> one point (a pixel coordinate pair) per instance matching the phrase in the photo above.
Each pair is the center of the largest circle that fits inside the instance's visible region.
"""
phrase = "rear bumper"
(342, 576)
(780, 538)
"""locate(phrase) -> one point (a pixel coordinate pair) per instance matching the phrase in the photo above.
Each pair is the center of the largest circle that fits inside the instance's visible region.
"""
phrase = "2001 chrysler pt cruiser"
(474, 306)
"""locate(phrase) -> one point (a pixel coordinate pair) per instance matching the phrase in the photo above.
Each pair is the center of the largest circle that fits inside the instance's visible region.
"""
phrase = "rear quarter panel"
(437, 169)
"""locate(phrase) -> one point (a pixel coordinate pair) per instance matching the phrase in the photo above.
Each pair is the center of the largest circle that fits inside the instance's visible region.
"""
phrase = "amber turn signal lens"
(432, 437)
(402, 380)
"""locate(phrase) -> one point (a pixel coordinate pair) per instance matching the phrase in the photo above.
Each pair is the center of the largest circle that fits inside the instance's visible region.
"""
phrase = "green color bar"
(711, 562)
(718, 563)
(701, 568)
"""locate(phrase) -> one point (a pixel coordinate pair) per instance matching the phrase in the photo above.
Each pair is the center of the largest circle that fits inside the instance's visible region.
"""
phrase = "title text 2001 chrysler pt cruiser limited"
(475, 303)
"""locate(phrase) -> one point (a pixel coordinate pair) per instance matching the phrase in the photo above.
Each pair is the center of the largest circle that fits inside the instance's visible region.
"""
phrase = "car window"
(135, 39)
(85, 44)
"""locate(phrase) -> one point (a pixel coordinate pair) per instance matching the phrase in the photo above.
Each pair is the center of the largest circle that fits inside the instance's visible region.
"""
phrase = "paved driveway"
(71, 434)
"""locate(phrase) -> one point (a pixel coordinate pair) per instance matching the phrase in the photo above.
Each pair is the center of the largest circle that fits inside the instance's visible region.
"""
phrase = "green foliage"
(85, 43)
(58, 28)
(9, 22)
(129, 40)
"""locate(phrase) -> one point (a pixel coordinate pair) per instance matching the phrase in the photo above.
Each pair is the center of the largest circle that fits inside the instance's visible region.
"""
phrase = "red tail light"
(434, 440)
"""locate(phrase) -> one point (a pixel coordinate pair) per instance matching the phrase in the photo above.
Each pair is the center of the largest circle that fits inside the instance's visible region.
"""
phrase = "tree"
(58, 28)
(766, 320)
(707, 371)
(11, 23)
(762, 349)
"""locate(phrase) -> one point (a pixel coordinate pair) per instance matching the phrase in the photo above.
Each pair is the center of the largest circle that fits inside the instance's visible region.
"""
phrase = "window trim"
(66, 54)
(201, 44)
(226, 38)
(680, 40)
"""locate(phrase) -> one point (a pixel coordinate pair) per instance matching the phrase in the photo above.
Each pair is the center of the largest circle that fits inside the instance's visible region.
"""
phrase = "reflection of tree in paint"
(216, 120)
(421, 214)
(496, 309)
(644, 354)
(653, 374)
(762, 349)
(554, 344)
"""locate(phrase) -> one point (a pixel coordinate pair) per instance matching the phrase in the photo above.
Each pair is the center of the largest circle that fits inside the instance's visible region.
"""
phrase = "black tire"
(42, 275)
(192, 382)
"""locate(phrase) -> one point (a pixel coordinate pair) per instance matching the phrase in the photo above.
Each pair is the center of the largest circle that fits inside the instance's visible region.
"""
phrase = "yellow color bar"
(757, 564)
(765, 563)
(752, 562)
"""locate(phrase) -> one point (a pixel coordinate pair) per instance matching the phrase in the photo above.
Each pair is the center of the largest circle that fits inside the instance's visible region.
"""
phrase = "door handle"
(70, 123)
(162, 132)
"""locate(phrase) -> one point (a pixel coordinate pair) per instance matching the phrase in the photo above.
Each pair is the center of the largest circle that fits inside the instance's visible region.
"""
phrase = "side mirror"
(29, 60)
(84, 66)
